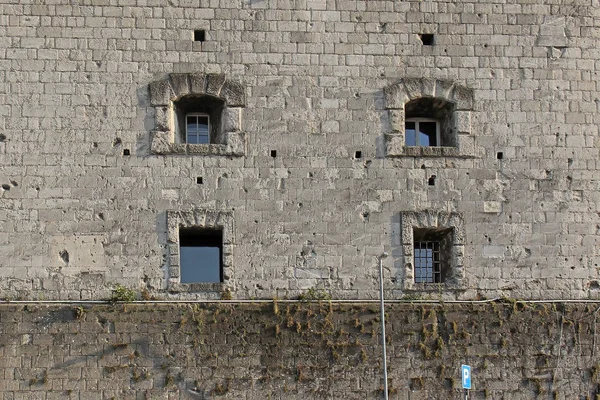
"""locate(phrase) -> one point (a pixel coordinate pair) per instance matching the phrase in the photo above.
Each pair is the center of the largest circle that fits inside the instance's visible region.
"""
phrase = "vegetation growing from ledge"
(318, 349)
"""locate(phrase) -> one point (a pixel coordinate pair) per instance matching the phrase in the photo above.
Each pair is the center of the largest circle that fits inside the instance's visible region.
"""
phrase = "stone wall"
(305, 350)
(312, 166)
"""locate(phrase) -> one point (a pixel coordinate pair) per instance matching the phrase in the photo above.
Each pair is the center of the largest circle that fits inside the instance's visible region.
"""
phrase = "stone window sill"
(433, 287)
(395, 147)
(235, 146)
(208, 288)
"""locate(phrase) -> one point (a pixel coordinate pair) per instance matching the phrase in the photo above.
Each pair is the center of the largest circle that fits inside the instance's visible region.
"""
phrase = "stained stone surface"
(314, 170)
(299, 350)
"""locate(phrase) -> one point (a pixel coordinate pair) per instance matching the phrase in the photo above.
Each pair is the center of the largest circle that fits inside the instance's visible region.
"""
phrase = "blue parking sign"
(466, 376)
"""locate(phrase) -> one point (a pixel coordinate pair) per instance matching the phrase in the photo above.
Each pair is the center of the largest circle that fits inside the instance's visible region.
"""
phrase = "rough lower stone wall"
(84, 199)
(297, 351)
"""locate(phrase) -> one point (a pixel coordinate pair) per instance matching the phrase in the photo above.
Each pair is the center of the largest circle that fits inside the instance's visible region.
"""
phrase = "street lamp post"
(385, 380)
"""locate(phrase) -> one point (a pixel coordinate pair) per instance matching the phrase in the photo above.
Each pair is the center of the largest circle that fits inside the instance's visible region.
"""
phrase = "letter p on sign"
(466, 376)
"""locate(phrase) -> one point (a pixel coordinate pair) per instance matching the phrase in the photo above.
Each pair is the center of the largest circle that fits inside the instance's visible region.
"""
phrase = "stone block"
(197, 83)
(397, 120)
(180, 84)
(231, 120)
(234, 94)
(394, 145)
(161, 142)
(161, 93)
(214, 83)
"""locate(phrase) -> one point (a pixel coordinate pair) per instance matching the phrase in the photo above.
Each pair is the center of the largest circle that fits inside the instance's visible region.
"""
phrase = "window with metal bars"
(432, 254)
(428, 267)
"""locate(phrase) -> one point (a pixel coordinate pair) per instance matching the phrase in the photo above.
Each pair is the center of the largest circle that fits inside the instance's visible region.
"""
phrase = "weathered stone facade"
(310, 161)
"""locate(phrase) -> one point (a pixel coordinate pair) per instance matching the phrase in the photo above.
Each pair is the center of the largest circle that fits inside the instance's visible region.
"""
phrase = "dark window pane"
(428, 134)
(425, 265)
(200, 264)
(200, 255)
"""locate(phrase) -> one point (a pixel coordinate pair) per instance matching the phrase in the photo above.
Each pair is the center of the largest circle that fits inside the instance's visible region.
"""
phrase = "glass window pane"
(200, 264)
(409, 134)
(202, 139)
(197, 129)
(425, 265)
(193, 138)
(428, 134)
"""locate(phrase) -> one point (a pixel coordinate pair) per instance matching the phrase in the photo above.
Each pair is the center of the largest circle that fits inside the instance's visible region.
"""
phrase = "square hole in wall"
(126, 152)
(358, 154)
(201, 255)
(427, 39)
(199, 35)
(199, 180)
(499, 155)
(273, 153)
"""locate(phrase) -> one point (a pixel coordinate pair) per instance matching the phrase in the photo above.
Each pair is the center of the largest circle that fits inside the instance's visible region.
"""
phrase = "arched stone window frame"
(397, 95)
(230, 140)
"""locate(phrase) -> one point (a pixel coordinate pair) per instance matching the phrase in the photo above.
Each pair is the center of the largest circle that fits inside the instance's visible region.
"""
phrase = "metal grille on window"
(428, 267)
(197, 129)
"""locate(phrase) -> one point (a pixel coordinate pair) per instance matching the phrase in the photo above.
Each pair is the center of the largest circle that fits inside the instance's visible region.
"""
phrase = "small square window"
(199, 35)
(201, 255)
(432, 254)
(197, 129)
(422, 132)
(426, 39)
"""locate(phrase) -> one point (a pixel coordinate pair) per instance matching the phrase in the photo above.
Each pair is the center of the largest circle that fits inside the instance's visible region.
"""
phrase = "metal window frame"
(433, 272)
(438, 135)
(195, 114)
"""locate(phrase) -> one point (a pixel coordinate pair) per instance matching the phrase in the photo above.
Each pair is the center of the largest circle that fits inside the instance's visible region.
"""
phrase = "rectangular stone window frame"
(200, 255)
(431, 254)
(203, 220)
(416, 227)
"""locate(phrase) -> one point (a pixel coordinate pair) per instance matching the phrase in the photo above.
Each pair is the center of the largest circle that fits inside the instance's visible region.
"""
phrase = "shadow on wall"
(146, 112)
(161, 234)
